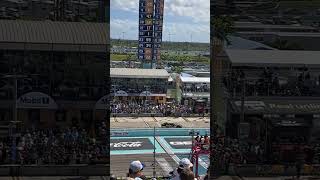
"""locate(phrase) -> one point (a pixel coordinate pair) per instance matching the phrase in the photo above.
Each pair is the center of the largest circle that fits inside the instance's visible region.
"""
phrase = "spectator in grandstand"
(197, 139)
(135, 171)
(53, 146)
(206, 140)
(137, 107)
(269, 84)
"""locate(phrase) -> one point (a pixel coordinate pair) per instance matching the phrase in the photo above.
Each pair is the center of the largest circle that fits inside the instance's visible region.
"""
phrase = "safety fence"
(158, 132)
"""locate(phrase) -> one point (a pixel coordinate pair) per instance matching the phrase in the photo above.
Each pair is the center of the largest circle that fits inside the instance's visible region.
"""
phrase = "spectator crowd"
(166, 109)
(272, 83)
(196, 88)
(229, 151)
(56, 147)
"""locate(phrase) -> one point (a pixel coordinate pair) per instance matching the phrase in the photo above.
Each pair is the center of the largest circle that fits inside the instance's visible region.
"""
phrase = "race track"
(169, 148)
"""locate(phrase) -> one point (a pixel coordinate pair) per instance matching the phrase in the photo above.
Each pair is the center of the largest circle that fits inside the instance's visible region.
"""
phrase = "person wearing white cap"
(135, 170)
(183, 164)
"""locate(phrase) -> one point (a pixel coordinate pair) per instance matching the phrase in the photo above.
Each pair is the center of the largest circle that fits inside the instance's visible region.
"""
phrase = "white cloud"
(180, 31)
(126, 5)
(198, 10)
(184, 31)
(118, 26)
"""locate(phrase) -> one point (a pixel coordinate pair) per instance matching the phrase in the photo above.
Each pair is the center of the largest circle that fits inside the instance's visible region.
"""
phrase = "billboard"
(150, 31)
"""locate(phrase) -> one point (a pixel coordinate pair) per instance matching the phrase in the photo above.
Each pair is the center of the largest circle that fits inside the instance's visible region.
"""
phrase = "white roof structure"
(295, 34)
(241, 43)
(264, 58)
(195, 79)
(138, 73)
(259, 25)
(53, 36)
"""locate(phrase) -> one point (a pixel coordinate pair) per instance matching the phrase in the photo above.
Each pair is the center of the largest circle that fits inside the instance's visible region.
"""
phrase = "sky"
(185, 20)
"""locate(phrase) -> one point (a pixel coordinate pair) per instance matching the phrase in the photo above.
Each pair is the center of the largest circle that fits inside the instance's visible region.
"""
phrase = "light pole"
(154, 152)
(146, 93)
(169, 34)
(243, 93)
(13, 123)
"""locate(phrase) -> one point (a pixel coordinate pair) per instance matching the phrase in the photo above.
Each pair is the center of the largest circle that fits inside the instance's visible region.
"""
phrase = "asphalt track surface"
(169, 150)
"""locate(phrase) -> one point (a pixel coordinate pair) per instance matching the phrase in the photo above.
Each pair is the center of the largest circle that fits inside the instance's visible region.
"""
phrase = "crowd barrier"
(137, 115)
(159, 132)
(53, 170)
(273, 170)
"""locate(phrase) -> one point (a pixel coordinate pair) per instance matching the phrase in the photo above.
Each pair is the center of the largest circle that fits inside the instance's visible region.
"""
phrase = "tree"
(222, 27)
(178, 69)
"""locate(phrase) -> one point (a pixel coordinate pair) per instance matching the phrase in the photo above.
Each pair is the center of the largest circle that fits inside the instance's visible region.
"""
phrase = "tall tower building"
(150, 32)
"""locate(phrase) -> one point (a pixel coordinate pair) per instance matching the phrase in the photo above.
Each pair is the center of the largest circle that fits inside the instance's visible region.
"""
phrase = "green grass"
(164, 57)
(118, 57)
(185, 58)
(174, 46)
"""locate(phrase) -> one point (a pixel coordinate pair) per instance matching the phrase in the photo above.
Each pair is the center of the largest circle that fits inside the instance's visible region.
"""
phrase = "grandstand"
(281, 98)
(65, 68)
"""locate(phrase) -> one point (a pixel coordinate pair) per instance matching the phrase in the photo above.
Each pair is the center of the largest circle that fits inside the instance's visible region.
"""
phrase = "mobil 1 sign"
(130, 144)
(179, 143)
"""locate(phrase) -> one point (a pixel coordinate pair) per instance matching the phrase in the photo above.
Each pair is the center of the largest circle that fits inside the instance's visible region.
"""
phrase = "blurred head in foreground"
(135, 170)
(187, 174)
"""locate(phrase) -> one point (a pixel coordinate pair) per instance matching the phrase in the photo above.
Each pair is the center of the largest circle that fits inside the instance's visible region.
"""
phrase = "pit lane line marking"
(164, 165)
(203, 163)
(168, 150)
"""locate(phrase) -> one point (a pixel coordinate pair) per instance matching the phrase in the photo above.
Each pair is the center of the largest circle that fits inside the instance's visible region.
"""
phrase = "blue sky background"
(186, 20)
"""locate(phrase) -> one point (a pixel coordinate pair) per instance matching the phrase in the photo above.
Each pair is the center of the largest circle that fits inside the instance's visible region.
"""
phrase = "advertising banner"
(36, 100)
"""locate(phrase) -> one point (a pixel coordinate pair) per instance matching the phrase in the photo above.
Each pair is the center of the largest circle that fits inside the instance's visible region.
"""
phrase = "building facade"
(280, 100)
(195, 92)
(60, 74)
(139, 85)
(56, 10)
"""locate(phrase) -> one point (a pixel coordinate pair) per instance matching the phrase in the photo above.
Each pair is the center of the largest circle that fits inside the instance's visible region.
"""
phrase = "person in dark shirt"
(187, 174)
